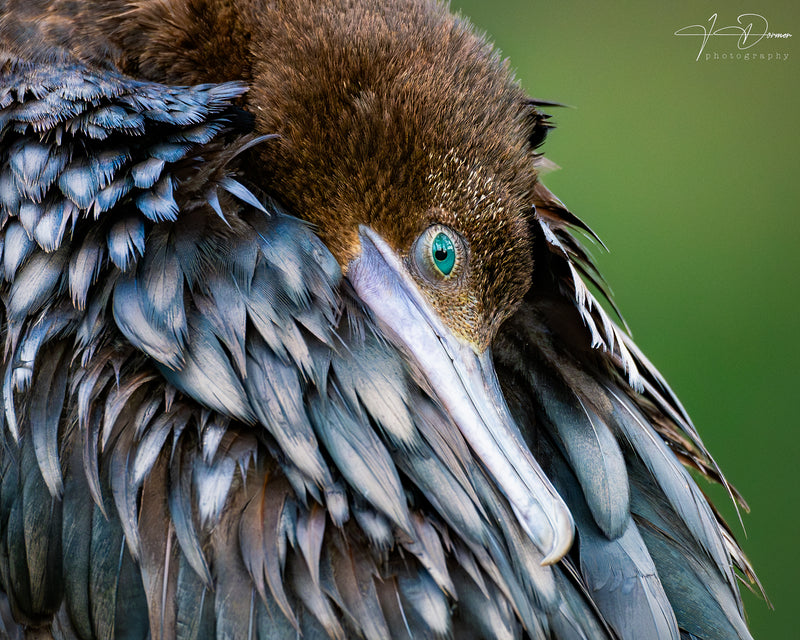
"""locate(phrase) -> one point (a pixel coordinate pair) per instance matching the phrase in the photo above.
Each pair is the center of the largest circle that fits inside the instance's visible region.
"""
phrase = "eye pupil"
(444, 253)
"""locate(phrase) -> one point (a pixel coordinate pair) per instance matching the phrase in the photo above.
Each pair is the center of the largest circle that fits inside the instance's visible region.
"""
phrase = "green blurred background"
(690, 173)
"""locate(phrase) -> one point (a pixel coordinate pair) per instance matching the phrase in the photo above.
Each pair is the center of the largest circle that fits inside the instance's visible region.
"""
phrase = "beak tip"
(550, 527)
(564, 530)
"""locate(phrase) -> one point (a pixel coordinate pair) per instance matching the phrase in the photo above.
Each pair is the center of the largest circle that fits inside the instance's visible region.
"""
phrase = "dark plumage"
(260, 263)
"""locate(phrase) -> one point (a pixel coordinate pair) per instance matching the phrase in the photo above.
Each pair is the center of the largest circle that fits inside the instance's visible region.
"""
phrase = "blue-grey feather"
(158, 204)
(275, 323)
(194, 605)
(453, 499)
(125, 494)
(312, 597)
(126, 239)
(623, 581)
(701, 600)
(207, 374)
(169, 151)
(275, 394)
(109, 582)
(13, 557)
(575, 619)
(28, 160)
(427, 600)
(41, 523)
(9, 193)
(212, 435)
(589, 445)
(146, 413)
(80, 183)
(85, 264)
(224, 307)
(147, 172)
(160, 282)
(427, 546)
(149, 447)
(6, 97)
(110, 195)
(488, 616)
(24, 360)
(309, 535)
(362, 458)
(199, 134)
(525, 561)
(272, 625)
(353, 573)
(620, 575)
(288, 259)
(8, 626)
(705, 603)
(30, 213)
(106, 162)
(9, 404)
(132, 318)
(90, 420)
(80, 125)
(179, 498)
(234, 595)
(130, 616)
(45, 112)
(679, 488)
(213, 483)
(337, 503)
(212, 198)
(18, 246)
(263, 539)
(444, 475)
(76, 536)
(35, 283)
(370, 375)
(56, 163)
(52, 225)
(45, 414)
(375, 526)
(108, 117)
(238, 190)
(268, 310)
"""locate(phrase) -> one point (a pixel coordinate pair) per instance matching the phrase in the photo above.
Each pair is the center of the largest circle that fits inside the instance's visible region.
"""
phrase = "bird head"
(433, 158)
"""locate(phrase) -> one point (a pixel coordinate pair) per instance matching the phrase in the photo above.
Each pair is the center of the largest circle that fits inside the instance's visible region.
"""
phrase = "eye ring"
(439, 253)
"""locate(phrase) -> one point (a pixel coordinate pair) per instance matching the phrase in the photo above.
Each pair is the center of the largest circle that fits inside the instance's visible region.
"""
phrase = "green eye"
(439, 254)
(443, 253)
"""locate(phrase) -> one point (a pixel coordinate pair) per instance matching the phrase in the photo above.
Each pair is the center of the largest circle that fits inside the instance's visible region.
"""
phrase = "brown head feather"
(391, 114)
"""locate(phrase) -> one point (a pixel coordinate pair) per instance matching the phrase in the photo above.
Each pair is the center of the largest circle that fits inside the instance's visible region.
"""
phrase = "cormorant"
(298, 345)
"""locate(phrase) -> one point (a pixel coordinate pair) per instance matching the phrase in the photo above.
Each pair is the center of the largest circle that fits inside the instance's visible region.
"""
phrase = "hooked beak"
(467, 386)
